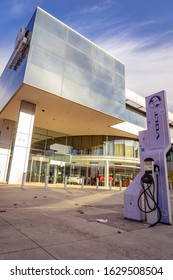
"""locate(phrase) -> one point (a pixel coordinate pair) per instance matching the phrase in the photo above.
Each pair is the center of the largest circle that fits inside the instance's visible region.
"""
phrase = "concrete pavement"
(53, 223)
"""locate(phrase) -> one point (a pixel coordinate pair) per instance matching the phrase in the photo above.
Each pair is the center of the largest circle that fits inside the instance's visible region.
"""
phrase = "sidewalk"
(53, 223)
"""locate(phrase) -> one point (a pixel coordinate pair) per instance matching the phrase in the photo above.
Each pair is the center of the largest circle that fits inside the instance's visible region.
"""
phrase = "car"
(76, 179)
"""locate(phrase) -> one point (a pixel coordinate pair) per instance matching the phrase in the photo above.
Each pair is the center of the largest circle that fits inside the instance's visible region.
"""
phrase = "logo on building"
(155, 101)
(21, 48)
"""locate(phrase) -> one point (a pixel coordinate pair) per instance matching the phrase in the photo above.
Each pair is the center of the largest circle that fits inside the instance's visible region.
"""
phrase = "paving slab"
(53, 223)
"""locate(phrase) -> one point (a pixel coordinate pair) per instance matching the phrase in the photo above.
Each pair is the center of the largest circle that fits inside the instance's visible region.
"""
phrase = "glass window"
(136, 149)
(102, 73)
(129, 148)
(119, 67)
(51, 24)
(36, 76)
(136, 118)
(79, 42)
(110, 148)
(49, 41)
(78, 58)
(46, 60)
(101, 56)
(119, 81)
(100, 87)
(119, 95)
(76, 74)
(103, 104)
(76, 92)
(119, 148)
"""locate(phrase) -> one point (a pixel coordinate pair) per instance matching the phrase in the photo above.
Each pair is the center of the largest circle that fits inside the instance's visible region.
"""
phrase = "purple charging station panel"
(154, 143)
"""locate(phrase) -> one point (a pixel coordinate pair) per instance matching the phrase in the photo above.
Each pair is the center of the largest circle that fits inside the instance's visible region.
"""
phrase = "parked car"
(76, 179)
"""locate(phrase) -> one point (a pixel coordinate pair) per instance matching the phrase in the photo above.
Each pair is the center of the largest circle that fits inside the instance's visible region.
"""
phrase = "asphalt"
(38, 223)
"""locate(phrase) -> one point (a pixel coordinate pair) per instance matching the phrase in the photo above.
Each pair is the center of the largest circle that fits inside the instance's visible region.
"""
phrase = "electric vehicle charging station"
(147, 197)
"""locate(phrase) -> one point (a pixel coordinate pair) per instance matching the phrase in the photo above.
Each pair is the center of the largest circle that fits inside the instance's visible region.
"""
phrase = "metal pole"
(97, 183)
(110, 183)
(46, 181)
(120, 184)
(23, 180)
(82, 187)
(65, 182)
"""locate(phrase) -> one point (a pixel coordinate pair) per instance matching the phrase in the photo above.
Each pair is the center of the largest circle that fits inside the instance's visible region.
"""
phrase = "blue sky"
(138, 32)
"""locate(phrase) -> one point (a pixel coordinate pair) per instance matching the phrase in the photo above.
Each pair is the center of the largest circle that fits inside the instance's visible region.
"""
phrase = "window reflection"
(79, 42)
(60, 155)
(83, 145)
(78, 58)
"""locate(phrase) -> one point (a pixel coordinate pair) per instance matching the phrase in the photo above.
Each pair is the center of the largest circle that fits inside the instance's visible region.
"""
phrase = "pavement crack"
(16, 251)
(82, 239)
(20, 231)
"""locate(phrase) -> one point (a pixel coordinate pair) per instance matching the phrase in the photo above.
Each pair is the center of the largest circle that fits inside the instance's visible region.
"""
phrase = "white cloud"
(99, 7)
(148, 67)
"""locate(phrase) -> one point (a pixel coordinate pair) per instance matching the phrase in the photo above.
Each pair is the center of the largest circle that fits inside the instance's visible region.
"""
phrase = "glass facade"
(75, 68)
(59, 155)
(11, 80)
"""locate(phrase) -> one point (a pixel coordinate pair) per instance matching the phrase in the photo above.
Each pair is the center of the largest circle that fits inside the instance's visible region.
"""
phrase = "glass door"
(37, 169)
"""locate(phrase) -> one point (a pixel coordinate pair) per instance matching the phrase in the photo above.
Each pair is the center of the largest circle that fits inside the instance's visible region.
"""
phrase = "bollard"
(23, 180)
(97, 183)
(120, 185)
(46, 181)
(110, 184)
(65, 182)
(82, 187)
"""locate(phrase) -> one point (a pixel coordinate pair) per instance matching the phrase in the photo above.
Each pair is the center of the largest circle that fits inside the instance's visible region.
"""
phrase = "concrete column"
(22, 143)
(5, 147)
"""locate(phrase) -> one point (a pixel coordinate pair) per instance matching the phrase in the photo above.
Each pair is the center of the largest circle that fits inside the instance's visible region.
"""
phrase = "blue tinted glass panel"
(46, 60)
(119, 95)
(136, 118)
(78, 58)
(76, 92)
(119, 67)
(43, 79)
(102, 73)
(49, 41)
(51, 24)
(10, 81)
(103, 57)
(106, 105)
(102, 88)
(76, 74)
(119, 82)
(79, 42)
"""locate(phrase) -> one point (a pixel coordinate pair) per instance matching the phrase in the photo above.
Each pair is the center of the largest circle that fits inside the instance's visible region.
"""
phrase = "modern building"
(64, 109)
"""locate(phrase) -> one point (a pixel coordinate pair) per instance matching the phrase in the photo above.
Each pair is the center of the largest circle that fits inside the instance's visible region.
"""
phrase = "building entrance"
(37, 169)
(56, 172)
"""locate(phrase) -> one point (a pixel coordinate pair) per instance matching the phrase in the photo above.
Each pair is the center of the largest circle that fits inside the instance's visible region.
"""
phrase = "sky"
(137, 32)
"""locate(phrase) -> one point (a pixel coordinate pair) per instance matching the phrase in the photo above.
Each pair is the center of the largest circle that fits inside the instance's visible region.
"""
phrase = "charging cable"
(148, 186)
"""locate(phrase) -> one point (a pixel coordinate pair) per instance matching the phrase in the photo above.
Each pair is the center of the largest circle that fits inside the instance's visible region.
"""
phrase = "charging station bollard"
(46, 181)
(23, 180)
(97, 183)
(82, 186)
(65, 182)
